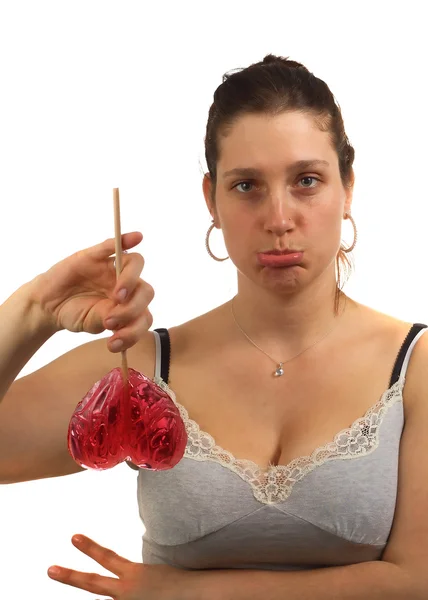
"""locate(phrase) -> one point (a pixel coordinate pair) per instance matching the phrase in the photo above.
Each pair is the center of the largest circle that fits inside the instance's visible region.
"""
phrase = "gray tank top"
(335, 507)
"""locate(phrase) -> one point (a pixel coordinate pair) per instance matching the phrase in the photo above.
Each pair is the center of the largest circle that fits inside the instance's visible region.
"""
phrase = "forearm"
(23, 330)
(364, 581)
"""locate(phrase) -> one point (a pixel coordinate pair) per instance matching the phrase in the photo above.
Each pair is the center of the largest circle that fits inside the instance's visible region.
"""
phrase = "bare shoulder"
(376, 324)
(415, 391)
(394, 331)
(199, 329)
(142, 356)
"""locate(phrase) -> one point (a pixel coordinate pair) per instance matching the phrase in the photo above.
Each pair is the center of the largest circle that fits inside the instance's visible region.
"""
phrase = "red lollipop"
(126, 415)
(137, 422)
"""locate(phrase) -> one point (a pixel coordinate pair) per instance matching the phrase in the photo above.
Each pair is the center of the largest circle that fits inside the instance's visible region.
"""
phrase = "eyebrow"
(300, 164)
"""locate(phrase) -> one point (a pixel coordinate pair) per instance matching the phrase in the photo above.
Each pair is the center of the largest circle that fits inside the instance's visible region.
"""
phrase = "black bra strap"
(165, 353)
(415, 329)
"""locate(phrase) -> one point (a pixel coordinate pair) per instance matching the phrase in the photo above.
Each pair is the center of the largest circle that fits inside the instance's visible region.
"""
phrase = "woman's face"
(279, 203)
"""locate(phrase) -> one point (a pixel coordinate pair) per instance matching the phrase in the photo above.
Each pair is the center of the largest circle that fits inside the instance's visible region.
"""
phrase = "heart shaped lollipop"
(126, 415)
(137, 422)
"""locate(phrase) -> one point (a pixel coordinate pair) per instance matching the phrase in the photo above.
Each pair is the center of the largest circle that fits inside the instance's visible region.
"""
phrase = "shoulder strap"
(405, 352)
(163, 353)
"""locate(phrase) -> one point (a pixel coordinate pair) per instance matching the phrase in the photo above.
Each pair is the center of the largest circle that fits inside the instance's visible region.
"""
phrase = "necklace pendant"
(279, 371)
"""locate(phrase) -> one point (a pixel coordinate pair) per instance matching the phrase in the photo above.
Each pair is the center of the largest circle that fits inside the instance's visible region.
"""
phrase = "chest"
(274, 420)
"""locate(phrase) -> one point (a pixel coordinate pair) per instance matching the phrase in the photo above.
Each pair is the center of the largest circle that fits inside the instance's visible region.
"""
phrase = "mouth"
(281, 252)
(280, 258)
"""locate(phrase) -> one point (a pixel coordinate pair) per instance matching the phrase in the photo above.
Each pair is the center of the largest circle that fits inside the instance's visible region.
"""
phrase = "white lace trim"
(276, 482)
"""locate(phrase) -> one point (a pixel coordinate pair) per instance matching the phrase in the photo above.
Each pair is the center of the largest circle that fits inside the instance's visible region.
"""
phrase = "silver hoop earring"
(348, 216)
(207, 245)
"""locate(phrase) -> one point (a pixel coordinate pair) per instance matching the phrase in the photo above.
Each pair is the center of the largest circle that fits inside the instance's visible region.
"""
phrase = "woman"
(299, 479)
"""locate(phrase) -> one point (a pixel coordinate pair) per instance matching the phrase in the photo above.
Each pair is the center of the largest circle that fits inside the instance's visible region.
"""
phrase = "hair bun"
(282, 61)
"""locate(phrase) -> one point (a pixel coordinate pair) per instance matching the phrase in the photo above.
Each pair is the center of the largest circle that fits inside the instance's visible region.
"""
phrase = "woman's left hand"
(136, 581)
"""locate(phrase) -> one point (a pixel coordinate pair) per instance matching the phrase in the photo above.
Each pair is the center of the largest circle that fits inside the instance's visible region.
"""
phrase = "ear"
(349, 192)
(207, 190)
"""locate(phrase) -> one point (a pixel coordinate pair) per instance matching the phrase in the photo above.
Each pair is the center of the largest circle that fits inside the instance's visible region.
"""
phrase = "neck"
(284, 325)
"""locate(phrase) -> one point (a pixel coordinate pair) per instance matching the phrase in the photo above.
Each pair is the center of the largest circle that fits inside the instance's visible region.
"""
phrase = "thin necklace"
(279, 370)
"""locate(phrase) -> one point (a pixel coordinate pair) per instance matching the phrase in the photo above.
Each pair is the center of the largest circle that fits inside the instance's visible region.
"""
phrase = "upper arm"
(36, 410)
(408, 542)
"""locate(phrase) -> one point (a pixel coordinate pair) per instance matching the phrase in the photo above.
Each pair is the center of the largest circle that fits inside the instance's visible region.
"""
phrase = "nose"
(279, 218)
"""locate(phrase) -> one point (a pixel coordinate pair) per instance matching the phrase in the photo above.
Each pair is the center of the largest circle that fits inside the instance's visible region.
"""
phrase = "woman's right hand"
(81, 292)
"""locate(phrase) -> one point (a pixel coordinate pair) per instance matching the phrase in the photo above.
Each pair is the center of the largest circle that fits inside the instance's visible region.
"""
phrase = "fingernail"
(112, 323)
(116, 345)
(122, 294)
(77, 539)
(54, 571)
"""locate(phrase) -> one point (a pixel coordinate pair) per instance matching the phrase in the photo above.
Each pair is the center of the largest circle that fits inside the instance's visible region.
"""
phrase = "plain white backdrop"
(102, 94)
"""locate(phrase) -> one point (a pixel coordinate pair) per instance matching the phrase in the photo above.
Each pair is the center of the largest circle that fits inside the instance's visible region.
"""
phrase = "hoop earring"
(207, 245)
(348, 216)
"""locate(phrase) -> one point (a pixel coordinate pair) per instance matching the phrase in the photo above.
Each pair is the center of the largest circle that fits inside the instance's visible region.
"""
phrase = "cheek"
(237, 230)
(322, 231)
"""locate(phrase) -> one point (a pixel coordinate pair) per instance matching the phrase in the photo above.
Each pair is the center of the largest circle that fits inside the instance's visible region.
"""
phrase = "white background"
(101, 94)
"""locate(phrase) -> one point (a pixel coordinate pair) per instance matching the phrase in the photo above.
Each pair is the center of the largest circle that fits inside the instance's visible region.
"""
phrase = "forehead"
(263, 141)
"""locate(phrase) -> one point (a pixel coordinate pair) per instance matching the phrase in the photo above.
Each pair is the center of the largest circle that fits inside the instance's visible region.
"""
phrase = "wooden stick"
(118, 259)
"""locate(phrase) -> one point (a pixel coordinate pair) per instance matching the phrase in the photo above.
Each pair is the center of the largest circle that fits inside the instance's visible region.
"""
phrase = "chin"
(281, 279)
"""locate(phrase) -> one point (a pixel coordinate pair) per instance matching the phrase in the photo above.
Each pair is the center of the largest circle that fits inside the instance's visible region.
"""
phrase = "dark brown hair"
(273, 86)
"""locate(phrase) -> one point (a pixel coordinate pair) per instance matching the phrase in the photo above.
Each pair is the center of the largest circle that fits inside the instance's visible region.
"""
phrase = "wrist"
(37, 319)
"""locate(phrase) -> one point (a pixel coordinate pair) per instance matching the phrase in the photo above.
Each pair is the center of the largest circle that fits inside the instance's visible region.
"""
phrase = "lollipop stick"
(118, 251)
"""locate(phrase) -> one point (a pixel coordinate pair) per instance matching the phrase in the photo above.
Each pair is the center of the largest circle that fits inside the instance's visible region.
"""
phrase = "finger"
(133, 264)
(132, 309)
(108, 247)
(130, 321)
(104, 557)
(130, 335)
(91, 582)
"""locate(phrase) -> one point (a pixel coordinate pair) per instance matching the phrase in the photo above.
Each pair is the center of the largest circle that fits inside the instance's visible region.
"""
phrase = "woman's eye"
(243, 183)
(309, 177)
